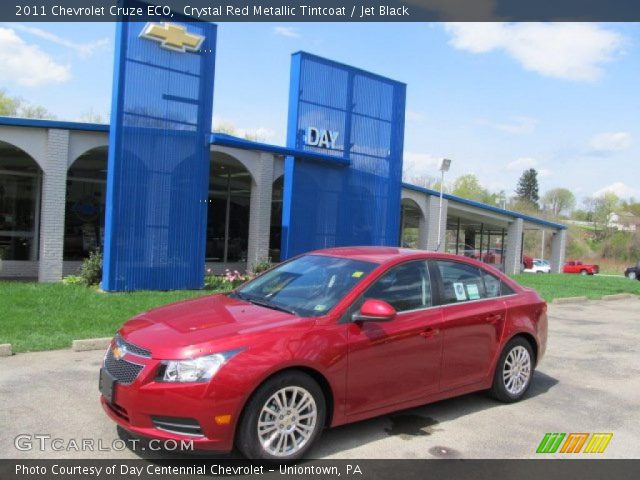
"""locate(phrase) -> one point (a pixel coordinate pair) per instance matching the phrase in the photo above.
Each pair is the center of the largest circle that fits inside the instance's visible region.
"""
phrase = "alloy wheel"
(517, 370)
(287, 421)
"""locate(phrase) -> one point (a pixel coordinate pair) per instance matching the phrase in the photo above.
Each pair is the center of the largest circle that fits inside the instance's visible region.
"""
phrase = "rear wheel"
(583, 272)
(283, 418)
(514, 371)
(631, 275)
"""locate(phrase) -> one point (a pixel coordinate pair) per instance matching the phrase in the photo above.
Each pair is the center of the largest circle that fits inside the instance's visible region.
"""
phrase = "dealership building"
(165, 198)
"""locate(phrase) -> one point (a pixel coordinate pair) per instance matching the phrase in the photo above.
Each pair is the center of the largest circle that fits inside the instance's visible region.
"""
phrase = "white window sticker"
(472, 290)
(460, 293)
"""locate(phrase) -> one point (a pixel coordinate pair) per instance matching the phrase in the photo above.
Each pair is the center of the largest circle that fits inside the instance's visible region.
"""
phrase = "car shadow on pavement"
(406, 424)
(421, 421)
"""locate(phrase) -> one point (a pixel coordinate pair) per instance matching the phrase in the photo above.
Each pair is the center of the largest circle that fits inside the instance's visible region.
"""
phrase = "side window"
(492, 285)
(460, 282)
(405, 287)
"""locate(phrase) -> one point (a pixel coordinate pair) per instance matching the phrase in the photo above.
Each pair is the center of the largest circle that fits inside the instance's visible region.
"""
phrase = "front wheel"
(283, 418)
(583, 272)
(513, 372)
(631, 275)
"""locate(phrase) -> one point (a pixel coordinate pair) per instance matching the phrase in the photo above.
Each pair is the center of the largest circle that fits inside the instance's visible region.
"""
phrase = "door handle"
(494, 318)
(429, 332)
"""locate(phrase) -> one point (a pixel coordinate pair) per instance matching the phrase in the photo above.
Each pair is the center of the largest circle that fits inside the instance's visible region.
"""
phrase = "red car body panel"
(366, 369)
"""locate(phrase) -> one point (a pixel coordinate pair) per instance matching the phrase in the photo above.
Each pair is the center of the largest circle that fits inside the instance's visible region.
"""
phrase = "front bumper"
(135, 405)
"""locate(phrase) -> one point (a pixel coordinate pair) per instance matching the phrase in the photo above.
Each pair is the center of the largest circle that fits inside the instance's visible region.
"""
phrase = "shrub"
(91, 271)
(260, 266)
(215, 282)
(73, 280)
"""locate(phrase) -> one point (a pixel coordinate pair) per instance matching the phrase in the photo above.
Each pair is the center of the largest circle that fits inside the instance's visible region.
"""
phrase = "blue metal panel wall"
(158, 171)
(327, 205)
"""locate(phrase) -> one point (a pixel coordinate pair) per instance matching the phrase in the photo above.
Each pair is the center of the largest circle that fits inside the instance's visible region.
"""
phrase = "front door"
(399, 360)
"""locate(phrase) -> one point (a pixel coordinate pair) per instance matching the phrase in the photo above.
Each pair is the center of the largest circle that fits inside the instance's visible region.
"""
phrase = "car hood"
(204, 325)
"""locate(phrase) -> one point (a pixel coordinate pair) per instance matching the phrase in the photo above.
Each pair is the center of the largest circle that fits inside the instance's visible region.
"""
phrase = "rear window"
(462, 283)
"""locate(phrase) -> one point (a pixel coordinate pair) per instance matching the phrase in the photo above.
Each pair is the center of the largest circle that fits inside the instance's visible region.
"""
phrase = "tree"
(8, 105)
(468, 186)
(16, 107)
(601, 208)
(527, 190)
(558, 201)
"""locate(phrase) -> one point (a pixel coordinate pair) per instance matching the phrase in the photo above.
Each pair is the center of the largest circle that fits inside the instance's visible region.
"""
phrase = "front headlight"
(199, 369)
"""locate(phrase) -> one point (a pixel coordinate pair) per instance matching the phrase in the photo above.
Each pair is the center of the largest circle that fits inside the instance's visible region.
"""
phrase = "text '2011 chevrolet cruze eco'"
(327, 338)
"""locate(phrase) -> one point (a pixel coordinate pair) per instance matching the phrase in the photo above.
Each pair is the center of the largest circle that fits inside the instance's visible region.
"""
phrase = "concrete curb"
(5, 350)
(90, 344)
(569, 300)
(619, 296)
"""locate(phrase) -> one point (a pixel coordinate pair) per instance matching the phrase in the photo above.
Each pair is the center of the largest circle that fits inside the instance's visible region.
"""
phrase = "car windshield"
(308, 286)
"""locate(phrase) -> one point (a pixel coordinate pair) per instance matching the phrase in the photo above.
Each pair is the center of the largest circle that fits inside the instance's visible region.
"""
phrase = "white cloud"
(544, 173)
(422, 162)
(84, 49)
(610, 142)
(286, 32)
(569, 51)
(621, 189)
(518, 125)
(522, 163)
(26, 64)
(414, 116)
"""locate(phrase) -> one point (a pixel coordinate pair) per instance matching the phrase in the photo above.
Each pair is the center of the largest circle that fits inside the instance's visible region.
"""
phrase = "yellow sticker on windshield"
(320, 308)
(357, 274)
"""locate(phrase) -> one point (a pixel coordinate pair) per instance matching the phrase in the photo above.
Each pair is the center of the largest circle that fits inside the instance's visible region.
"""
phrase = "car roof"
(383, 254)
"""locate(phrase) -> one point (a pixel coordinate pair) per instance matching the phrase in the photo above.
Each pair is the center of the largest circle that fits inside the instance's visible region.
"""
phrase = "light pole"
(444, 167)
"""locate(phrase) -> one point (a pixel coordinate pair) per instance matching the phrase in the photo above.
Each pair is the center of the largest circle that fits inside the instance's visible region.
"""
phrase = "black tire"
(498, 389)
(247, 439)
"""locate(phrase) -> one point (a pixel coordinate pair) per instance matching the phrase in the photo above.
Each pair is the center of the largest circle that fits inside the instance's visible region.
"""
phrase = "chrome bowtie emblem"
(172, 37)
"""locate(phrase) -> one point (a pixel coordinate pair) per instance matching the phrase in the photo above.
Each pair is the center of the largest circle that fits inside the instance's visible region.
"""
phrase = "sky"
(496, 98)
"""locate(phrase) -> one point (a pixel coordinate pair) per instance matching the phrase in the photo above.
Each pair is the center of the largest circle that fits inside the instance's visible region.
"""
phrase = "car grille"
(124, 372)
(134, 349)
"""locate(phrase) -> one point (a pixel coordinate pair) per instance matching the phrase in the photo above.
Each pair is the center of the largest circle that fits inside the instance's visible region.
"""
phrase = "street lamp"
(444, 167)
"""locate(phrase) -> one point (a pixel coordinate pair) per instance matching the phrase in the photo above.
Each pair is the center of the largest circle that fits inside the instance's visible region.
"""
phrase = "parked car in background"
(633, 273)
(539, 266)
(576, 266)
(325, 339)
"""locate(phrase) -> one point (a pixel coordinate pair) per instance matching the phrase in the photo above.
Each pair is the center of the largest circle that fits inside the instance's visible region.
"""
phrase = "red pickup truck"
(576, 266)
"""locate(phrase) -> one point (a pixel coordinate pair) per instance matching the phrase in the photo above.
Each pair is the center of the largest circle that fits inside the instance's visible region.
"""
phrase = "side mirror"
(374, 311)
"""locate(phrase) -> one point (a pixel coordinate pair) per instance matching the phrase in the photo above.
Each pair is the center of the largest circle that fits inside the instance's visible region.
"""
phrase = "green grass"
(552, 286)
(37, 316)
(49, 316)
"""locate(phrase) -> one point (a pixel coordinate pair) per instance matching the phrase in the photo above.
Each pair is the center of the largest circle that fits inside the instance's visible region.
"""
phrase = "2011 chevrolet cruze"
(327, 338)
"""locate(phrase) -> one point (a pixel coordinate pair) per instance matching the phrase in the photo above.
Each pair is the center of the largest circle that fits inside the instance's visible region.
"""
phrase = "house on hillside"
(624, 221)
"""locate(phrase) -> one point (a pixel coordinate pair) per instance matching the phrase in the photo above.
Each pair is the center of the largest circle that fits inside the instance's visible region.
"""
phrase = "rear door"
(474, 315)
(398, 360)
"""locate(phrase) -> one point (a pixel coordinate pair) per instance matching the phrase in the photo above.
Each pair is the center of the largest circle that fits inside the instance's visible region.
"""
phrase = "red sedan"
(327, 338)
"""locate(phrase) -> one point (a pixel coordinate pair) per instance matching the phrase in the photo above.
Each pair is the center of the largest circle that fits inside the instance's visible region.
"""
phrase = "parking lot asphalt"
(588, 381)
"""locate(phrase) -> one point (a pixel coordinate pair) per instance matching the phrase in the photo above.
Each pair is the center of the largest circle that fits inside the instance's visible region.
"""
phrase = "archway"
(230, 184)
(84, 204)
(20, 187)
(410, 219)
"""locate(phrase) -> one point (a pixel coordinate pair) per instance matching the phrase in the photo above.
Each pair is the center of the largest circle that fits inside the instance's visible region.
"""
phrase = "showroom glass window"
(84, 206)
(20, 180)
(228, 213)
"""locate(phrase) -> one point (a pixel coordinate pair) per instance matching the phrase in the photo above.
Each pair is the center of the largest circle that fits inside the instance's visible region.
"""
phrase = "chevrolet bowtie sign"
(172, 37)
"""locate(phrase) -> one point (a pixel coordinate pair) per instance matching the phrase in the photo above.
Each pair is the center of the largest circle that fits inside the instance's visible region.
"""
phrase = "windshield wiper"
(261, 303)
